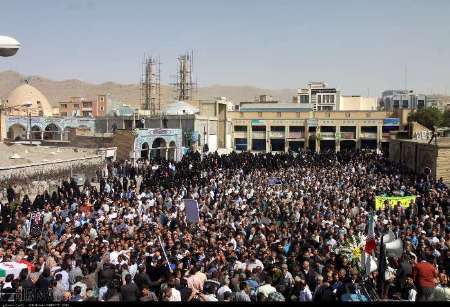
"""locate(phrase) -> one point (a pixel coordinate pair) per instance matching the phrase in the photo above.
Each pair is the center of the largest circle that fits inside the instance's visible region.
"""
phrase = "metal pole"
(165, 255)
(29, 131)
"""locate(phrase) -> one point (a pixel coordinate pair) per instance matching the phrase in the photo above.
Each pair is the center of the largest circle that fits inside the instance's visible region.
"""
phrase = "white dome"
(29, 95)
(179, 108)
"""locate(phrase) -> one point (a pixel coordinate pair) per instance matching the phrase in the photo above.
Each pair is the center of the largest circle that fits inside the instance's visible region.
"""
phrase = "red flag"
(370, 241)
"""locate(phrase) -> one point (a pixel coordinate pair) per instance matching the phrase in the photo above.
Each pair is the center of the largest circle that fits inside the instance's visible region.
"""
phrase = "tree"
(446, 119)
(427, 117)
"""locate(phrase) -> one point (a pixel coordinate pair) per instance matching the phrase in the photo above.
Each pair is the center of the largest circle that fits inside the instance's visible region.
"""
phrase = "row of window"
(242, 128)
(321, 108)
(325, 99)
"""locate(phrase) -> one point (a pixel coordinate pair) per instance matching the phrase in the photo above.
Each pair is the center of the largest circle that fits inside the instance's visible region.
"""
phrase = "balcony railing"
(327, 135)
(368, 135)
(347, 135)
(258, 134)
(277, 134)
(296, 135)
(240, 135)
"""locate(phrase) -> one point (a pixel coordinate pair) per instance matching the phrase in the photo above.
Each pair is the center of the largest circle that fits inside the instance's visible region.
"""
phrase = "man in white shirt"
(82, 286)
(267, 288)
(224, 288)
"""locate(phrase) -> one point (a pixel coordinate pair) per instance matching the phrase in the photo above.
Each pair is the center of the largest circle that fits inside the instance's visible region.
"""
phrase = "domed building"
(26, 98)
(179, 108)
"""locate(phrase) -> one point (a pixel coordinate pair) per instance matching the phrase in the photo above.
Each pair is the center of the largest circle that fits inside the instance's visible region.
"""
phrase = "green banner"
(405, 201)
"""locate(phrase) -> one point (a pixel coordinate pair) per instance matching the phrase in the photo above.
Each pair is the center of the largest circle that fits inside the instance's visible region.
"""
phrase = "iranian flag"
(370, 241)
(7, 268)
(367, 259)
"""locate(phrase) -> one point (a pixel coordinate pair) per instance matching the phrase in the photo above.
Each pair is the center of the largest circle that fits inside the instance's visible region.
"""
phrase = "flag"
(382, 267)
(370, 241)
(37, 222)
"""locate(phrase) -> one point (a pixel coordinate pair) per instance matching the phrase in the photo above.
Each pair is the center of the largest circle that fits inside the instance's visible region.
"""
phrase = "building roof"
(27, 94)
(273, 107)
(123, 110)
(179, 108)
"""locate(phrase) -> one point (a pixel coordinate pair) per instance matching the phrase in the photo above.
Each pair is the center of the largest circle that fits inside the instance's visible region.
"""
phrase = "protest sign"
(191, 210)
(393, 201)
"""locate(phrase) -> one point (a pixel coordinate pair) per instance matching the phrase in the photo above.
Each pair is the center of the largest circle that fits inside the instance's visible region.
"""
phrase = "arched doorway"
(172, 150)
(36, 133)
(158, 149)
(17, 132)
(144, 151)
(52, 132)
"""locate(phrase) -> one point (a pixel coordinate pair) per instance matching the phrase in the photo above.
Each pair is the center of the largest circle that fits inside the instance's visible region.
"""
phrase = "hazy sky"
(357, 46)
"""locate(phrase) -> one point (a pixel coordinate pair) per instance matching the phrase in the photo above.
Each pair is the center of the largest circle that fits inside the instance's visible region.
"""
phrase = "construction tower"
(185, 87)
(151, 85)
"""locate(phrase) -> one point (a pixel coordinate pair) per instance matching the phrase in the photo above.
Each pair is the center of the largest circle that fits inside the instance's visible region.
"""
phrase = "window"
(332, 98)
(87, 105)
(319, 99)
(64, 105)
(102, 108)
(76, 106)
(240, 144)
(277, 128)
(396, 104)
(259, 144)
(304, 99)
(240, 128)
(405, 104)
(102, 99)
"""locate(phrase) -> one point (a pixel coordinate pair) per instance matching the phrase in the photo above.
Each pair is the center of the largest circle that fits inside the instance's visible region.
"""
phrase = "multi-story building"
(283, 127)
(439, 101)
(318, 97)
(82, 107)
(357, 103)
(402, 99)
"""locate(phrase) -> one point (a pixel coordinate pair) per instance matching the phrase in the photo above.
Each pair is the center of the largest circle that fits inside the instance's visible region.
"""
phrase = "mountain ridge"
(61, 90)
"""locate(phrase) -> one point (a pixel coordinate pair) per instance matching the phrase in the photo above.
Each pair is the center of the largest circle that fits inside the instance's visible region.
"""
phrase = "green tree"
(446, 119)
(428, 117)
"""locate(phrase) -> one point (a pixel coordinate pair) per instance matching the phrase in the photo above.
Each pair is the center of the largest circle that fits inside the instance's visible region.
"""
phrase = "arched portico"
(52, 132)
(159, 149)
(17, 132)
(36, 133)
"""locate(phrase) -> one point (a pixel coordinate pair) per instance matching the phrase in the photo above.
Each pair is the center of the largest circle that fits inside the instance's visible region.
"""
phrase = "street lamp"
(8, 46)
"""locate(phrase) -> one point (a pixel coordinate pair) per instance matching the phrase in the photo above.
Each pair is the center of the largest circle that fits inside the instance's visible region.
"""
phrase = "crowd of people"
(257, 239)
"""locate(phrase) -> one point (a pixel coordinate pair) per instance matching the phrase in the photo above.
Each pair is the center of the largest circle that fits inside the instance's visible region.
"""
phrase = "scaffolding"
(185, 87)
(151, 85)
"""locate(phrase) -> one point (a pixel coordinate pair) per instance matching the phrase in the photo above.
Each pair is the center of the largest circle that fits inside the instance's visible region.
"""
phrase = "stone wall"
(35, 178)
(394, 150)
(426, 157)
(443, 161)
(408, 155)
(124, 141)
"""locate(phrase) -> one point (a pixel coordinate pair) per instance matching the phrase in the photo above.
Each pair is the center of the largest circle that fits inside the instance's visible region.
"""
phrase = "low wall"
(35, 178)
